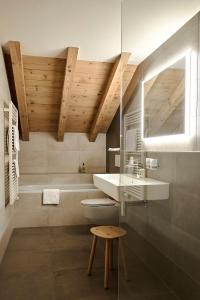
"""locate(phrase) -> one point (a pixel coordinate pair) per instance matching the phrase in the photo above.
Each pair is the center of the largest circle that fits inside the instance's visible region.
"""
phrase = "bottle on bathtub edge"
(83, 168)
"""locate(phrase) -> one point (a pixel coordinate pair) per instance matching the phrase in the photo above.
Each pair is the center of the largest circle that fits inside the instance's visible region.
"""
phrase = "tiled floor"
(142, 284)
(51, 263)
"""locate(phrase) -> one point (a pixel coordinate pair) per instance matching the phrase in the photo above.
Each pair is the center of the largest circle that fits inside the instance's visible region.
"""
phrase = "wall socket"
(152, 163)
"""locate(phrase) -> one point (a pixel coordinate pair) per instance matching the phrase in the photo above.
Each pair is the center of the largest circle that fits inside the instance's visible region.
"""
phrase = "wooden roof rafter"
(71, 59)
(132, 87)
(112, 85)
(18, 75)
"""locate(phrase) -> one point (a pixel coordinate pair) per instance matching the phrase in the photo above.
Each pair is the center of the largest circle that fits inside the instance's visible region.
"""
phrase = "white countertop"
(128, 180)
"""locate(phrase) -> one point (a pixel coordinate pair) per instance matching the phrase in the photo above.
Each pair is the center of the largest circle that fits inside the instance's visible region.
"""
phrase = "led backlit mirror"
(164, 102)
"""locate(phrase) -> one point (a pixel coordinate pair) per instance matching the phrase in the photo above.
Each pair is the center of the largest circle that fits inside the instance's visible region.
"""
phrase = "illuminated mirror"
(164, 101)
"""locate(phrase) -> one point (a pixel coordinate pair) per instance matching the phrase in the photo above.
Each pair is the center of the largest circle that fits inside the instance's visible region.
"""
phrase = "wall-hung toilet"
(101, 211)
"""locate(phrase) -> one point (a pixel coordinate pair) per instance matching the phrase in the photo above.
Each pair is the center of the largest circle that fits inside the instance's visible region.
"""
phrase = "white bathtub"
(30, 212)
(62, 187)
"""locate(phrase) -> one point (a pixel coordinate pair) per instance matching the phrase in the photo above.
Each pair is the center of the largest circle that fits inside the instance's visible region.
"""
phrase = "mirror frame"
(187, 133)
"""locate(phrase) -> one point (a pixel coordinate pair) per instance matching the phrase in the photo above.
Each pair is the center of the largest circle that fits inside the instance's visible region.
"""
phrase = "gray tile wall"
(173, 226)
(44, 155)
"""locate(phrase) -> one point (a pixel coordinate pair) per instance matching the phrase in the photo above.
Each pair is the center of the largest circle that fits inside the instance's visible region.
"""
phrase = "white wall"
(44, 155)
(6, 214)
(146, 24)
(47, 27)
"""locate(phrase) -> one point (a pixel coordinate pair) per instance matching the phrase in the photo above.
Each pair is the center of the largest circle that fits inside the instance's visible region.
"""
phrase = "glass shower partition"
(140, 262)
(159, 258)
(135, 279)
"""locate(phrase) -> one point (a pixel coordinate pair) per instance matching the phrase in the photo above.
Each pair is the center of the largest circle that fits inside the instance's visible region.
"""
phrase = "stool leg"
(92, 253)
(121, 248)
(106, 271)
(111, 256)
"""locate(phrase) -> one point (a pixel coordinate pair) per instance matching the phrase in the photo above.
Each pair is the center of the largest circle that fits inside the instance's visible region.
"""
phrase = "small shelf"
(134, 153)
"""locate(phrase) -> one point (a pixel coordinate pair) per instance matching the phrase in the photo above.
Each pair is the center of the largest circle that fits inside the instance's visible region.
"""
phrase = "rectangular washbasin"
(139, 188)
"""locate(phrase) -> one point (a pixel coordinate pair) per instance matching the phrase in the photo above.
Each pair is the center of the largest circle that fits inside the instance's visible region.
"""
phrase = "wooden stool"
(109, 233)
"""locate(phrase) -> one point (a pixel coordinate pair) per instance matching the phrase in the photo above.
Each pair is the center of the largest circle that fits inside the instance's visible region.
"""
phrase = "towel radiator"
(13, 155)
(133, 121)
(132, 194)
(5, 122)
(9, 118)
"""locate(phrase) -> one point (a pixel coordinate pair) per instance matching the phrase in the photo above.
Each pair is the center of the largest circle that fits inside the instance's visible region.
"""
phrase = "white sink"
(138, 188)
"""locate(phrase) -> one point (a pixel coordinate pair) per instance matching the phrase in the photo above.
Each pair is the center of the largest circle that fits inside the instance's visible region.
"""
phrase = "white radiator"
(6, 157)
(133, 120)
(13, 155)
(2, 185)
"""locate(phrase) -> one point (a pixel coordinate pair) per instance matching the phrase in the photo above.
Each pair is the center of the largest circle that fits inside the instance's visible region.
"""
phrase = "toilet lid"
(98, 202)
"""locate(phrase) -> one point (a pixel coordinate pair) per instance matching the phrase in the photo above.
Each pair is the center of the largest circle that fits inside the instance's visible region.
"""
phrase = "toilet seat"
(98, 202)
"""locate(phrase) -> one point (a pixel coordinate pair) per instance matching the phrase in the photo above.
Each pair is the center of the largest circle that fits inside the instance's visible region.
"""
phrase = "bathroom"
(100, 150)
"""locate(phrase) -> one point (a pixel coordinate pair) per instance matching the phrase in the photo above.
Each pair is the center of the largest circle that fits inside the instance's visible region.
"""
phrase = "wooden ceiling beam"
(111, 88)
(71, 60)
(132, 87)
(18, 75)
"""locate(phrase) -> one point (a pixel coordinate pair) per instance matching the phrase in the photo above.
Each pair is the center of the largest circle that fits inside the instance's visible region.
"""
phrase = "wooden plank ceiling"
(66, 95)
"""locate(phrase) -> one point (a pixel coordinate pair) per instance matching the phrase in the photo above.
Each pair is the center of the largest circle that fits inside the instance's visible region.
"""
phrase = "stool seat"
(108, 232)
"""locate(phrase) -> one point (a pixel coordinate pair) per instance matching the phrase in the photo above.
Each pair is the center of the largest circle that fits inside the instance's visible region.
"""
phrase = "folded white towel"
(16, 167)
(15, 137)
(131, 140)
(51, 196)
